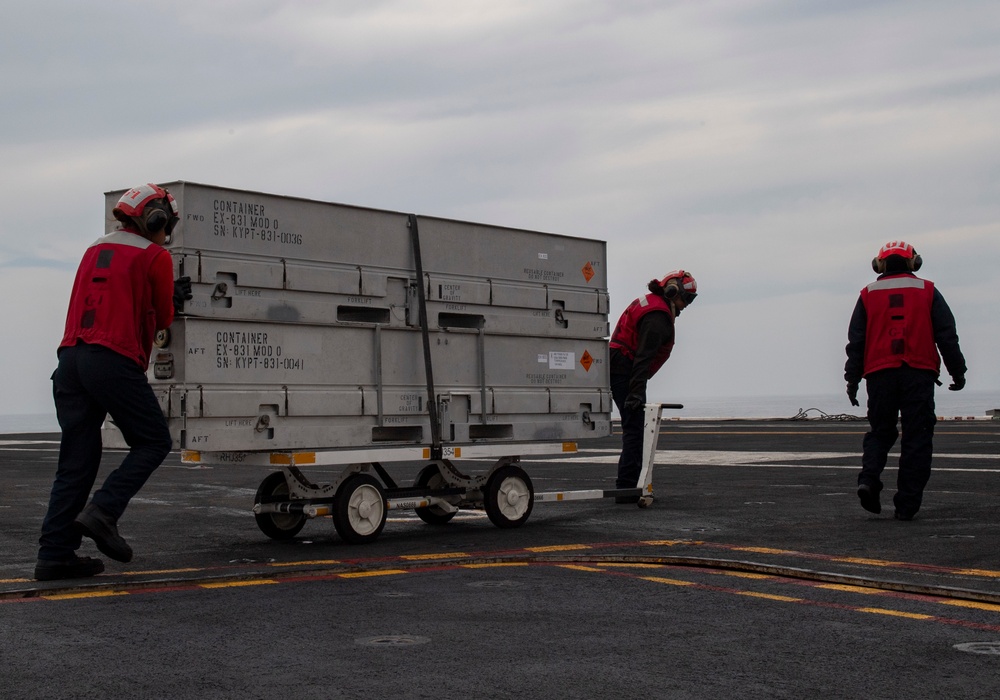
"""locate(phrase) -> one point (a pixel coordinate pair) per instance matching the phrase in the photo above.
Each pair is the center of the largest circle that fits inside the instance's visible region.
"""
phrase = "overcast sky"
(769, 147)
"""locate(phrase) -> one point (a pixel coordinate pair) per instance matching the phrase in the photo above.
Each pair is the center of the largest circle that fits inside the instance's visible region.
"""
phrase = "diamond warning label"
(586, 360)
(588, 271)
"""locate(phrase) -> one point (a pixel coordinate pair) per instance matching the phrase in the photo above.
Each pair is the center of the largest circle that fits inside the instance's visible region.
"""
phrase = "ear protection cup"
(912, 264)
(671, 290)
(156, 220)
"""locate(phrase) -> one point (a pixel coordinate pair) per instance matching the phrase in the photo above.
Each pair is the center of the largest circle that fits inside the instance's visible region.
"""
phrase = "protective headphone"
(673, 288)
(912, 264)
(155, 220)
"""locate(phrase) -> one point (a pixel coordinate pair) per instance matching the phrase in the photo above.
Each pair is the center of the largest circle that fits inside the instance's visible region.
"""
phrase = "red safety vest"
(626, 335)
(112, 301)
(899, 328)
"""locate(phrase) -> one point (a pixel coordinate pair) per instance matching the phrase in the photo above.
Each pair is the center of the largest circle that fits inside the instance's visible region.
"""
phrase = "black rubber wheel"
(509, 497)
(277, 526)
(359, 509)
(430, 477)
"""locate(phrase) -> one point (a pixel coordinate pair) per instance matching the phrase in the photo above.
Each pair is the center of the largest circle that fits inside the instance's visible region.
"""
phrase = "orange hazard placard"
(588, 271)
(586, 360)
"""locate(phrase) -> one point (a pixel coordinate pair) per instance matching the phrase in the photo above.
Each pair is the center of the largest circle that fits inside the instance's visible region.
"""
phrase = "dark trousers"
(91, 382)
(630, 461)
(905, 394)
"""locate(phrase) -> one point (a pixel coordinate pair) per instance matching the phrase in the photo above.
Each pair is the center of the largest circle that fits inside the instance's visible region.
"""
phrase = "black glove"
(182, 292)
(957, 383)
(852, 393)
(634, 403)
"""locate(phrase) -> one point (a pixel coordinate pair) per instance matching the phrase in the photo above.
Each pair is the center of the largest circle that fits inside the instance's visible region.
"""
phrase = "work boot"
(73, 567)
(869, 496)
(94, 523)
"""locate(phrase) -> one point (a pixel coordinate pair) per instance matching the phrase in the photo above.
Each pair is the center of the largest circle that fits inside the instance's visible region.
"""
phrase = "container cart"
(359, 498)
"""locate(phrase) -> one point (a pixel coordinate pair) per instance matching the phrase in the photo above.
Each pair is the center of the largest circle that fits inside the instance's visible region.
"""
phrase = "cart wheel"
(430, 477)
(509, 497)
(277, 526)
(359, 509)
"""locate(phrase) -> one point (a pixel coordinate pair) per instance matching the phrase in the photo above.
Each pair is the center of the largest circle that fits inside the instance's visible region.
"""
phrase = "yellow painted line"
(973, 604)
(869, 562)
(160, 571)
(977, 572)
(558, 548)
(747, 574)
(431, 557)
(236, 584)
(578, 567)
(896, 613)
(89, 594)
(850, 589)
(368, 574)
(304, 563)
(667, 543)
(630, 565)
(15, 580)
(771, 596)
(671, 581)
(494, 565)
(762, 550)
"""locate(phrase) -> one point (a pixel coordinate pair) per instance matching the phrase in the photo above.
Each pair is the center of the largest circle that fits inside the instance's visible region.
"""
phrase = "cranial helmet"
(135, 203)
(900, 248)
(679, 283)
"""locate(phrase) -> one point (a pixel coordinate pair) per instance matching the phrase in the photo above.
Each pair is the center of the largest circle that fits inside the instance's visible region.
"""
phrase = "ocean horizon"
(948, 404)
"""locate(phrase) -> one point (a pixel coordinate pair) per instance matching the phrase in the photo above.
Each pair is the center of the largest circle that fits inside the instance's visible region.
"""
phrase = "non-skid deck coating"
(754, 563)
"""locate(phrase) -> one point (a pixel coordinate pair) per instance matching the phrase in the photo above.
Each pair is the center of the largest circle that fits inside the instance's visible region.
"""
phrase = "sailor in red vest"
(899, 324)
(641, 343)
(123, 294)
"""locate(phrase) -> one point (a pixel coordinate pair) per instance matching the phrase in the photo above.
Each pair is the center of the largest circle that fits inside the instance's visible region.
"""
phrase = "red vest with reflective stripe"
(111, 303)
(899, 324)
(626, 335)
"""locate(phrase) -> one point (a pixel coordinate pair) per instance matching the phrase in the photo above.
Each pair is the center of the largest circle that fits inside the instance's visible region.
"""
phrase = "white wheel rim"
(513, 498)
(365, 509)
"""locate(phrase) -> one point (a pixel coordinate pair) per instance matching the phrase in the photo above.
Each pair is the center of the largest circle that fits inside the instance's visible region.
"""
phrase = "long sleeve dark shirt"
(945, 336)
(655, 330)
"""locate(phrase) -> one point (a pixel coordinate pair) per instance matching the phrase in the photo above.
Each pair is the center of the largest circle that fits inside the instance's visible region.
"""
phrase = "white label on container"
(543, 358)
(543, 256)
(562, 360)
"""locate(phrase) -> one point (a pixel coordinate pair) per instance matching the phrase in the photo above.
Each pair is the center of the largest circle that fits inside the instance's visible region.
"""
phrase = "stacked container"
(305, 331)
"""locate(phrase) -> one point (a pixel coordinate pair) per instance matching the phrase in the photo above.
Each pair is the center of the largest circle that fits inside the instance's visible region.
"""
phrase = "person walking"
(899, 325)
(641, 343)
(124, 292)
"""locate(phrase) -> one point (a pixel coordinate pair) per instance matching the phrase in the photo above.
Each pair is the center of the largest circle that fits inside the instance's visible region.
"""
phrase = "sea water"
(949, 404)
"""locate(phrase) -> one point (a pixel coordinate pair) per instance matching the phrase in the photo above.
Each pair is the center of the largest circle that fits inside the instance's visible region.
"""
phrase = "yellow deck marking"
(303, 563)
(770, 596)
(630, 565)
(558, 548)
(896, 613)
(236, 584)
(869, 562)
(850, 589)
(746, 574)
(15, 580)
(367, 574)
(428, 557)
(978, 572)
(973, 604)
(493, 565)
(762, 550)
(671, 581)
(90, 594)
(667, 543)
(578, 567)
